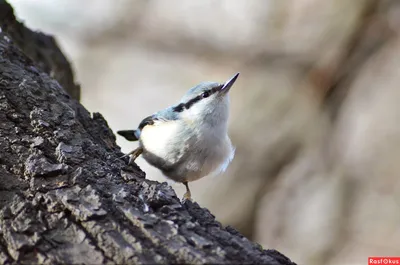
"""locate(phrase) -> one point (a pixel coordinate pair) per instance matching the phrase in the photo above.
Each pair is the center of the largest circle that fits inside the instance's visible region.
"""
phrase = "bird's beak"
(228, 84)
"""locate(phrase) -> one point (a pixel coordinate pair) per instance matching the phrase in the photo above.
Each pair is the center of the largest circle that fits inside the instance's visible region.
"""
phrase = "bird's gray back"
(167, 114)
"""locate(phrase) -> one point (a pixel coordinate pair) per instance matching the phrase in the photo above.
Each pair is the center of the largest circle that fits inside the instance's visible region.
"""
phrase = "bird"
(188, 140)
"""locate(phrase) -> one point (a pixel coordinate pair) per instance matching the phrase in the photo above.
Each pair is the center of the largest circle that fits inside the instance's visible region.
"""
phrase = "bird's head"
(207, 102)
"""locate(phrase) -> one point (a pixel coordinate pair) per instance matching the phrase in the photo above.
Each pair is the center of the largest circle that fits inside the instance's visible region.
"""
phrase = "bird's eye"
(205, 94)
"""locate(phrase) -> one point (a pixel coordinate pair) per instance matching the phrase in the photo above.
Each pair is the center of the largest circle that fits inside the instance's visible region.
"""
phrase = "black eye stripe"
(179, 108)
(182, 106)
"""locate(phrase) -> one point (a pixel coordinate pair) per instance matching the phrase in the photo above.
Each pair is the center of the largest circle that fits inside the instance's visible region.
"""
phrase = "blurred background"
(315, 113)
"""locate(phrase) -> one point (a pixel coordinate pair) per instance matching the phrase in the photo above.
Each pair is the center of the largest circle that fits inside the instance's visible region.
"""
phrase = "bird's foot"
(135, 154)
(187, 196)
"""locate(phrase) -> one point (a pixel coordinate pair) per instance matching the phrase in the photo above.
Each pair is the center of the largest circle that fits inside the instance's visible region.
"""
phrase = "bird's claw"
(187, 196)
(134, 154)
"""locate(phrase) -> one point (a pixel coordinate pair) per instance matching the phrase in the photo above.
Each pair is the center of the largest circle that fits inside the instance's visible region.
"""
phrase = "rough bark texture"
(66, 197)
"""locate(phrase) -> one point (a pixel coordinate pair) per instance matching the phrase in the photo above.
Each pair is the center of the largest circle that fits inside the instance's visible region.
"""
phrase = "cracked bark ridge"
(41, 48)
(66, 197)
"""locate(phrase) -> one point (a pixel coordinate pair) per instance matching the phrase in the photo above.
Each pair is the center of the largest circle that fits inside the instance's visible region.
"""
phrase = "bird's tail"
(129, 135)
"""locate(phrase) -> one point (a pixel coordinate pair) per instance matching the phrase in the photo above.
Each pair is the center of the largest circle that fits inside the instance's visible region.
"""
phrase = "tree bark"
(66, 197)
(41, 48)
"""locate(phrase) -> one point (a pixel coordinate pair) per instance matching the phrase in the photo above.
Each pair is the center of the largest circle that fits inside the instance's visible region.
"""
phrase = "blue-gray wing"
(167, 114)
(164, 115)
(160, 116)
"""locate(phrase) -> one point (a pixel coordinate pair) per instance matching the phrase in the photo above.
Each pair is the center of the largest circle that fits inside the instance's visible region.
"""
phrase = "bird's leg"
(130, 153)
(135, 154)
(187, 195)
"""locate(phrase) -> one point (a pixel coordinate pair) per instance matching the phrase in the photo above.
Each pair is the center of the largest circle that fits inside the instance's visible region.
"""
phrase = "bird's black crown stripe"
(182, 106)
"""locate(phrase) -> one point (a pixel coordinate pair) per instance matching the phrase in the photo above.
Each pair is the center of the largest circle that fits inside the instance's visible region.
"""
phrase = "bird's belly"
(184, 159)
(206, 162)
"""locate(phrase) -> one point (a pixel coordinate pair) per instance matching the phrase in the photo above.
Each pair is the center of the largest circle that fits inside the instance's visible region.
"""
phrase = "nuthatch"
(189, 140)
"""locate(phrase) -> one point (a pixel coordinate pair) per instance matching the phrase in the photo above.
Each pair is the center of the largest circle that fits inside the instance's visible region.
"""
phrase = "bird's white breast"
(200, 150)
(156, 138)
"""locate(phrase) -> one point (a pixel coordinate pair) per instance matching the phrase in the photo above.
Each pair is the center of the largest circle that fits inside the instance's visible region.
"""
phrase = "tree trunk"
(66, 197)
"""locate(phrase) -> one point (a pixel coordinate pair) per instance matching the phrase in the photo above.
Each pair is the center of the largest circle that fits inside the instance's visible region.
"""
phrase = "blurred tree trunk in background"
(41, 48)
